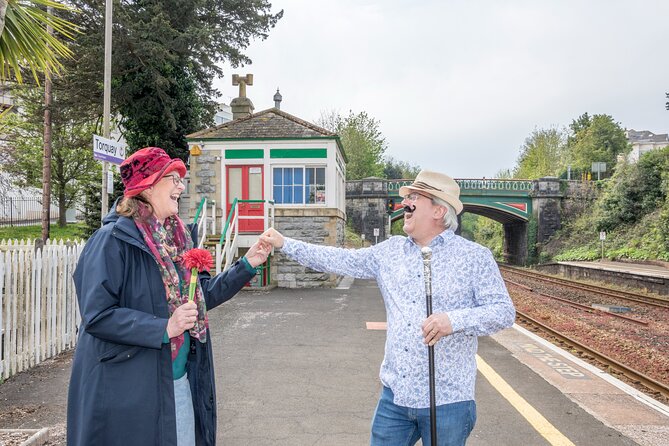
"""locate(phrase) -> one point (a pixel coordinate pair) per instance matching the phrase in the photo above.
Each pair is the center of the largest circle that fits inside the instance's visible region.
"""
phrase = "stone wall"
(546, 204)
(205, 181)
(579, 197)
(651, 284)
(515, 243)
(366, 207)
(321, 226)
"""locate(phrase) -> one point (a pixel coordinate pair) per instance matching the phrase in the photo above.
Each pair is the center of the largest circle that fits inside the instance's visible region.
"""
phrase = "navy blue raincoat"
(121, 390)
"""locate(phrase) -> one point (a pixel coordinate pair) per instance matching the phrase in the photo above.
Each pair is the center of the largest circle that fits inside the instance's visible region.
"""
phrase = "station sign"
(108, 150)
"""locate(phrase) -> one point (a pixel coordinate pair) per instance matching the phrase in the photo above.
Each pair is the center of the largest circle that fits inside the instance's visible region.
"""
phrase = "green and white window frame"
(299, 184)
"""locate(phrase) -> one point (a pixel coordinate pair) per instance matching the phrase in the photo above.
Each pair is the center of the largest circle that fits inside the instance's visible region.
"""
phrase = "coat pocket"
(119, 353)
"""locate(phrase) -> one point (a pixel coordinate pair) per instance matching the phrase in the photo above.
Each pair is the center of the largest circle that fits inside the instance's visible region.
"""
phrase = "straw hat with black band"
(436, 185)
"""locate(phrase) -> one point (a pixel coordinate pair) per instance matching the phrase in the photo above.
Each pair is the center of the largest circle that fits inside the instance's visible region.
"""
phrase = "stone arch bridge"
(513, 203)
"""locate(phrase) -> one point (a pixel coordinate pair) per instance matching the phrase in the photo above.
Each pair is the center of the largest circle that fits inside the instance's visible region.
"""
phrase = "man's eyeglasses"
(176, 179)
(412, 197)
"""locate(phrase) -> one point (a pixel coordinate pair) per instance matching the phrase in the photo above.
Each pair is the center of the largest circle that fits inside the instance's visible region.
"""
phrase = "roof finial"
(277, 99)
(242, 82)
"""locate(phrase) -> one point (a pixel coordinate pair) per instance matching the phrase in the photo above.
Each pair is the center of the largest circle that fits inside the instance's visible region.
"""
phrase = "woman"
(142, 371)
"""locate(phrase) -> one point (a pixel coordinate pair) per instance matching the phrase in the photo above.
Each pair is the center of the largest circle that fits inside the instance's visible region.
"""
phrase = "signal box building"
(270, 168)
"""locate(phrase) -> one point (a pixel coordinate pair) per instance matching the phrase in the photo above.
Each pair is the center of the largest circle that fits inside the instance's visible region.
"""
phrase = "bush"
(583, 253)
(635, 190)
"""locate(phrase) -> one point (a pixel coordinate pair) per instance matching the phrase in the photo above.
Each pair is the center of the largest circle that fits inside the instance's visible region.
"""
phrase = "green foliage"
(635, 190)
(162, 115)
(468, 225)
(25, 41)
(92, 218)
(72, 163)
(647, 239)
(397, 227)
(72, 232)
(581, 253)
(543, 154)
(484, 231)
(166, 55)
(596, 139)
(633, 203)
(363, 142)
(352, 239)
(396, 170)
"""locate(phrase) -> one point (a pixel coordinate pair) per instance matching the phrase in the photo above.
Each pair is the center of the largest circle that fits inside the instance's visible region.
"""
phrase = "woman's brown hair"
(129, 206)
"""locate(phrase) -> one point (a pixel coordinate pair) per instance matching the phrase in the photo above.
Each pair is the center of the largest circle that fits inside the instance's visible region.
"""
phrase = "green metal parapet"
(509, 196)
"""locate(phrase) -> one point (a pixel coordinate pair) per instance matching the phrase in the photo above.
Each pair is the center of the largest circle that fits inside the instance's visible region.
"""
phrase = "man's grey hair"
(450, 217)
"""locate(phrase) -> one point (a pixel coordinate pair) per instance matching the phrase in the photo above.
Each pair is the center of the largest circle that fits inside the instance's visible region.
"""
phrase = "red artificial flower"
(198, 258)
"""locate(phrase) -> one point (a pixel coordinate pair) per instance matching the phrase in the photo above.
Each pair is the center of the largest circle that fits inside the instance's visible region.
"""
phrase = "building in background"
(644, 141)
(223, 114)
(278, 165)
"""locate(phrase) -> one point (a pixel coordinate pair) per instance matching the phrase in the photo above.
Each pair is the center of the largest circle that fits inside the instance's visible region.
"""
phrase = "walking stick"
(427, 274)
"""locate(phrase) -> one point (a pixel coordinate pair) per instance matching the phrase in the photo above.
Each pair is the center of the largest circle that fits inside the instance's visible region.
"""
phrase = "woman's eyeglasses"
(176, 179)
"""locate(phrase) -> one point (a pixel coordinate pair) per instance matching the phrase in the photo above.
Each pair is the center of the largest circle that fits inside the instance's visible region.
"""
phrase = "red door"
(246, 183)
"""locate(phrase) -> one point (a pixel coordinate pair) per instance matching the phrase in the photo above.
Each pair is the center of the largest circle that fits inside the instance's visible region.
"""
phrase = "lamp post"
(106, 102)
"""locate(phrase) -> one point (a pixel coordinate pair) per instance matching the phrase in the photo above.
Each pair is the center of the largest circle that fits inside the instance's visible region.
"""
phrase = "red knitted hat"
(146, 167)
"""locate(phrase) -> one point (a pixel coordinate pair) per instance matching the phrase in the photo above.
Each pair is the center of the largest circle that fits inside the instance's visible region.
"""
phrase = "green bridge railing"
(471, 184)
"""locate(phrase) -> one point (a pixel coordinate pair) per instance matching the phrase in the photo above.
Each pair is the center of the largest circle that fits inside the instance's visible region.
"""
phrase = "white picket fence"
(39, 315)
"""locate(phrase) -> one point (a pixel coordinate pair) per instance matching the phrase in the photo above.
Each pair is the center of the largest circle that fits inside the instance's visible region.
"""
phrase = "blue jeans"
(395, 425)
(183, 403)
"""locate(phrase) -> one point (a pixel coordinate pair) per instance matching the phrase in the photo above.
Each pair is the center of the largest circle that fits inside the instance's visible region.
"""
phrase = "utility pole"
(106, 102)
(46, 156)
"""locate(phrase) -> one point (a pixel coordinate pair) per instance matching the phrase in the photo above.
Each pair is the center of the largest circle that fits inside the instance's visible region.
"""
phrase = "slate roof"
(267, 124)
(646, 136)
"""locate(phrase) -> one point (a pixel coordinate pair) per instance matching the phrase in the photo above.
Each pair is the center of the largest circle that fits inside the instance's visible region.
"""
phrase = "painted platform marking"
(553, 362)
(377, 325)
(538, 422)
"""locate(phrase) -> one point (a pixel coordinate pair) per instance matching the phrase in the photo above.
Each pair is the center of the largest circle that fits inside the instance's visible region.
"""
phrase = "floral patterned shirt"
(466, 284)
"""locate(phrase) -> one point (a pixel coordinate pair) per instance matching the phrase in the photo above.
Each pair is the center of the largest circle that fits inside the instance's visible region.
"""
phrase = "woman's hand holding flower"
(182, 319)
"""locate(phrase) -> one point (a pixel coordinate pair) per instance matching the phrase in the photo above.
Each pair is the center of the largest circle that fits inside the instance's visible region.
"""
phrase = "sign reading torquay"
(108, 150)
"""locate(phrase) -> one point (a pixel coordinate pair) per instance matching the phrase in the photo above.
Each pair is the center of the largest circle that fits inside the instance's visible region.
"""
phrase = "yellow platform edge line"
(538, 422)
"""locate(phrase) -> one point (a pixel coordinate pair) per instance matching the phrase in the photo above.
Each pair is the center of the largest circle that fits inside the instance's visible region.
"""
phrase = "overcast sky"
(458, 85)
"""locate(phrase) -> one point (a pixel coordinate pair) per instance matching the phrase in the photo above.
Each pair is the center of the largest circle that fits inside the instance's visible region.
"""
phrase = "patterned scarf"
(168, 242)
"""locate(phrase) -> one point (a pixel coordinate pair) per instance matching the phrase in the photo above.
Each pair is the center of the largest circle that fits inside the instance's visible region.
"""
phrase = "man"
(469, 299)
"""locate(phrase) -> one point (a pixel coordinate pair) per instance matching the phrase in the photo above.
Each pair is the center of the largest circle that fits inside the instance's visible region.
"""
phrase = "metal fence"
(16, 211)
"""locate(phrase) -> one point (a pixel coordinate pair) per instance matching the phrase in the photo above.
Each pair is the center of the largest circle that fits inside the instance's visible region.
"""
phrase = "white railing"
(227, 245)
(226, 249)
(206, 220)
(39, 315)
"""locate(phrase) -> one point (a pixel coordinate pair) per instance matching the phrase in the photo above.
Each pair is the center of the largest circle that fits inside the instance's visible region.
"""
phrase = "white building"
(272, 162)
(644, 141)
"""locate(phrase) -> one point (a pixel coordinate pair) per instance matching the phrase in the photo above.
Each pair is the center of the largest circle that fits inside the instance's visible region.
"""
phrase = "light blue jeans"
(395, 425)
(183, 403)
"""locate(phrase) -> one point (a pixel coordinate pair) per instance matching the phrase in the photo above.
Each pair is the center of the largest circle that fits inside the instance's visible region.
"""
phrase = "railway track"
(624, 295)
(632, 374)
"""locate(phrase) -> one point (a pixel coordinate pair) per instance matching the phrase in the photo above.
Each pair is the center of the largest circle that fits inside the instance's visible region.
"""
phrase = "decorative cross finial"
(242, 82)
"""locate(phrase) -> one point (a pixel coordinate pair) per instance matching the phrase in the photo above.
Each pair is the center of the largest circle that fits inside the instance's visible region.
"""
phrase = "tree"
(72, 163)
(394, 169)
(165, 56)
(635, 190)
(543, 154)
(25, 41)
(596, 139)
(362, 140)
